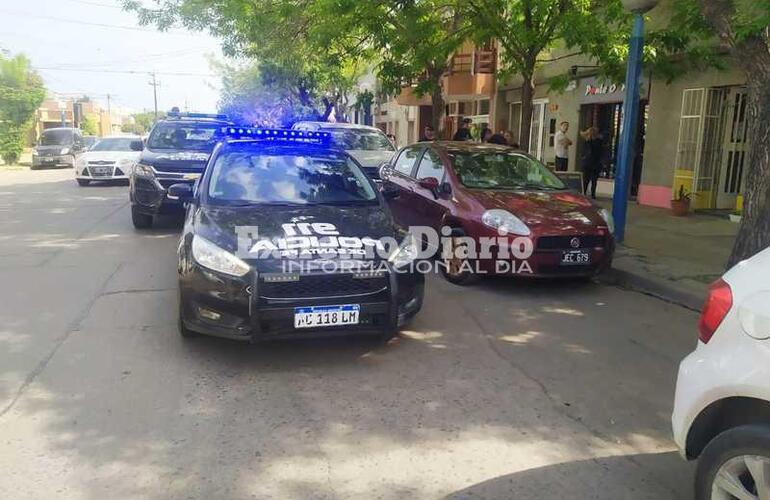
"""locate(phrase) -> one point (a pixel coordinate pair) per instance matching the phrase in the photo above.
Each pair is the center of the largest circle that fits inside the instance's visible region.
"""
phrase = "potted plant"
(680, 205)
(736, 216)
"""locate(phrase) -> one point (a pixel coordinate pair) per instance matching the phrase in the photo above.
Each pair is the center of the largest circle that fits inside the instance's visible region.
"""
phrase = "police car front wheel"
(140, 220)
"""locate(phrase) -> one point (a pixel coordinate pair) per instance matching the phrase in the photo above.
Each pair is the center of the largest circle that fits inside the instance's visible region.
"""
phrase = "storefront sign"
(595, 91)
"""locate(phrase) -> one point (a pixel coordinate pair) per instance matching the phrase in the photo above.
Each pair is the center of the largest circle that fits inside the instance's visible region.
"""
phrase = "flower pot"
(735, 218)
(680, 208)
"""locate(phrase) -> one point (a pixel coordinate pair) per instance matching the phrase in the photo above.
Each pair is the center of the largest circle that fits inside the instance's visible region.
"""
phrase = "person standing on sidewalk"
(591, 159)
(561, 145)
(464, 132)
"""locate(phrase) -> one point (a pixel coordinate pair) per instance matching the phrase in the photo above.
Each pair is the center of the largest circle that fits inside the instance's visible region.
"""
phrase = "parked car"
(58, 147)
(109, 159)
(479, 190)
(722, 405)
(369, 145)
(310, 205)
(176, 150)
(89, 141)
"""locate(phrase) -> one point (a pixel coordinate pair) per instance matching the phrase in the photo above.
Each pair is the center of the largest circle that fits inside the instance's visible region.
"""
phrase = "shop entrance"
(607, 117)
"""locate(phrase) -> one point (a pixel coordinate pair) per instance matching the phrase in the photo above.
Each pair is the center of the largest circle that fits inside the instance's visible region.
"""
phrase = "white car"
(368, 145)
(722, 405)
(111, 158)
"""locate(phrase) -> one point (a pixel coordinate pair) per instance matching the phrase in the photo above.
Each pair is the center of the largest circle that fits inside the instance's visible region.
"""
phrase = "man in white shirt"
(561, 144)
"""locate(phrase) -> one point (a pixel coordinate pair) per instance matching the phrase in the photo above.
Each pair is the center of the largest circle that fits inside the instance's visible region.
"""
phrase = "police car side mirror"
(384, 170)
(182, 192)
(137, 145)
(389, 191)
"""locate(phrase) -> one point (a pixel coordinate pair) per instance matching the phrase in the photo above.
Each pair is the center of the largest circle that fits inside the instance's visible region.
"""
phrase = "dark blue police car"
(177, 150)
(286, 237)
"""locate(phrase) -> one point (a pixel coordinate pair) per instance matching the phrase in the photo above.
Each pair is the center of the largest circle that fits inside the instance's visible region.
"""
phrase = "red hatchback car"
(495, 193)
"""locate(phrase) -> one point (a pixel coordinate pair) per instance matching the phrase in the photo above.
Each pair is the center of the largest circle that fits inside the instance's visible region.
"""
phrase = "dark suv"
(177, 150)
(58, 147)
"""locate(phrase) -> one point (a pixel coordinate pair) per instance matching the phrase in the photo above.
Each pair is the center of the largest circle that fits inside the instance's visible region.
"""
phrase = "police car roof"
(278, 147)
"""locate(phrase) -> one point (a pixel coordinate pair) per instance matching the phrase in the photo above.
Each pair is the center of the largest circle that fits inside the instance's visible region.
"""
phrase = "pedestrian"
(498, 139)
(591, 159)
(429, 134)
(509, 138)
(561, 144)
(486, 133)
(392, 139)
(464, 132)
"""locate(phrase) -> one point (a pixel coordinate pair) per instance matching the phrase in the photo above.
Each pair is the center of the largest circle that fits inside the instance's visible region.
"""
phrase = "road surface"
(507, 389)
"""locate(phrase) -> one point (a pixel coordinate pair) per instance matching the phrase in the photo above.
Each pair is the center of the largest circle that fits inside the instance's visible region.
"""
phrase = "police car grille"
(565, 242)
(323, 285)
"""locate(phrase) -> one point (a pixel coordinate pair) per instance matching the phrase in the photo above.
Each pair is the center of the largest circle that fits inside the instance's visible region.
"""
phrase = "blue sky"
(38, 28)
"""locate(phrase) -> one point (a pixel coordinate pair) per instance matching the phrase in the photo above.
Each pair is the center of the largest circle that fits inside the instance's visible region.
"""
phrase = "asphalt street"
(507, 389)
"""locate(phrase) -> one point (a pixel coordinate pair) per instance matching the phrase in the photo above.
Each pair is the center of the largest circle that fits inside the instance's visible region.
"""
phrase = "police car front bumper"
(251, 309)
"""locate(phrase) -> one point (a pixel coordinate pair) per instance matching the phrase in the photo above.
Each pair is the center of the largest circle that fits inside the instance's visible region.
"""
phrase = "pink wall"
(654, 196)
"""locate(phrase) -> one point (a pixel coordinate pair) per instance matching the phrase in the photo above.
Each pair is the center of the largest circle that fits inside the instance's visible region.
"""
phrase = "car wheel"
(140, 220)
(34, 167)
(457, 270)
(735, 464)
(83, 182)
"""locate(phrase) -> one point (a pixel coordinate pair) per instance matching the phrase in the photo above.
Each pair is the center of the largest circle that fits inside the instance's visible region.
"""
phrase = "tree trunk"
(754, 232)
(752, 56)
(437, 104)
(527, 94)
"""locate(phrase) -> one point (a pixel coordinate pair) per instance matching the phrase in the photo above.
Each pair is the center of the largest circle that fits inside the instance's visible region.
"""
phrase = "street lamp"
(630, 115)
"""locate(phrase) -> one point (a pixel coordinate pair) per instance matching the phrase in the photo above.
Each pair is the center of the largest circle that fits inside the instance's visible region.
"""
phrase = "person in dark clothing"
(464, 132)
(486, 133)
(498, 139)
(591, 159)
(429, 134)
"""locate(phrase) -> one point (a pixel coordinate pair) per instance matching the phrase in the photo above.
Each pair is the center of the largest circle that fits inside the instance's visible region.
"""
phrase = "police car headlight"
(607, 216)
(143, 170)
(81, 163)
(64, 151)
(505, 222)
(211, 256)
(406, 252)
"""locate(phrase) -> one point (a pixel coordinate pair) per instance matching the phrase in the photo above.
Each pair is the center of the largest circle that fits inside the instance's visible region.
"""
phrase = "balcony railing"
(479, 61)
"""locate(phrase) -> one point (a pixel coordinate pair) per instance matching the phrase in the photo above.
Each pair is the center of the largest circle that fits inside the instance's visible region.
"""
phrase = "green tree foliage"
(21, 93)
(88, 126)
(142, 123)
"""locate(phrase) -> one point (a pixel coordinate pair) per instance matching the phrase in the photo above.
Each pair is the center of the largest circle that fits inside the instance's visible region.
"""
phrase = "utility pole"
(154, 83)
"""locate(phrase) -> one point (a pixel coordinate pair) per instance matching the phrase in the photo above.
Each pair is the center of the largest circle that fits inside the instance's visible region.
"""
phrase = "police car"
(285, 237)
(177, 150)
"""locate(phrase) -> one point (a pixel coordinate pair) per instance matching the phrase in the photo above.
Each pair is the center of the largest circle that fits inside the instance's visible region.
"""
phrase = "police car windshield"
(246, 178)
(184, 136)
(117, 144)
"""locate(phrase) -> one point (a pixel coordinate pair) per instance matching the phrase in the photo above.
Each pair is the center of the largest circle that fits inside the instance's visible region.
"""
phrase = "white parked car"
(722, 405)
(111, 158)
(368, 145)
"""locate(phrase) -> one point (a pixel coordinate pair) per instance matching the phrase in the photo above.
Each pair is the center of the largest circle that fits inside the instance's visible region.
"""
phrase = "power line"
(120, 62)
(128, 72)
(96, 4)
(86, 23)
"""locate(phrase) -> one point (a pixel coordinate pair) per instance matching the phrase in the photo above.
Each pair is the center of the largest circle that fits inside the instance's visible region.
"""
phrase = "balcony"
(471, 73)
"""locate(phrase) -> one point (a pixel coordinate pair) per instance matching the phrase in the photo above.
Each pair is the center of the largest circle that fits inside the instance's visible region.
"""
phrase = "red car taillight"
(718, 304)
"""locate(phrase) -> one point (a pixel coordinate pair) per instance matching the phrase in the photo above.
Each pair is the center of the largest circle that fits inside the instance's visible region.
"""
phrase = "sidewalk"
(675, 258)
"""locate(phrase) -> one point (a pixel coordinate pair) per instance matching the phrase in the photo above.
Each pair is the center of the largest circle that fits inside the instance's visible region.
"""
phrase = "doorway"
(607, 118)
(731, 170)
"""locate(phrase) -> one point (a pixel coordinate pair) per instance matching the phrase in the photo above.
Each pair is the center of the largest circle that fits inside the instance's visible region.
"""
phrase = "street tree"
(295, 42)
(88, 126)
(413, 41)
(743, 27)
(21, 93)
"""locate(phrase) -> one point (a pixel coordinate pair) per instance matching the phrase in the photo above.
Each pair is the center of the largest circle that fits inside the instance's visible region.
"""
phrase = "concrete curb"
(650, 284)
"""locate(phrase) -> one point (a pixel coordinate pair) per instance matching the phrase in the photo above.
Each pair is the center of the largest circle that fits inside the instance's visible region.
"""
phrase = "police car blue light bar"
(276, 134)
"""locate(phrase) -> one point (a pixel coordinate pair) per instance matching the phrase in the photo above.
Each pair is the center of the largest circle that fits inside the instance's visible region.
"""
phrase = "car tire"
(34, 167)
(83, 182)
(725, 455)
(183, 330)
(452, 273)
(140, 220)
